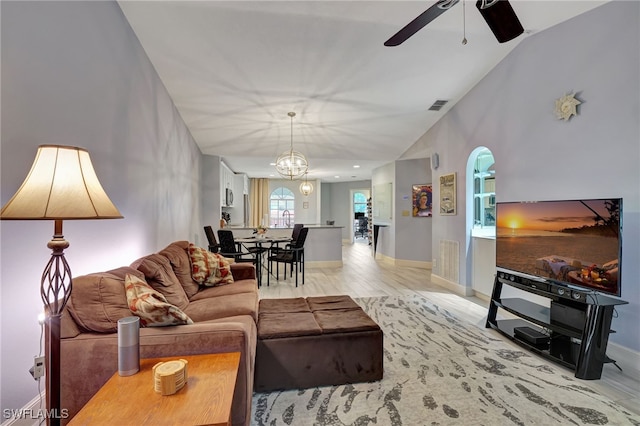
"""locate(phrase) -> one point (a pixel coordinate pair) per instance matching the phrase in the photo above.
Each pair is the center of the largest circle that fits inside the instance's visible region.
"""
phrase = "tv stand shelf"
(577, 325)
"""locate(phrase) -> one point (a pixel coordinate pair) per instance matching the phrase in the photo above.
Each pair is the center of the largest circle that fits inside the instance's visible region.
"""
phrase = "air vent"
(437, 105)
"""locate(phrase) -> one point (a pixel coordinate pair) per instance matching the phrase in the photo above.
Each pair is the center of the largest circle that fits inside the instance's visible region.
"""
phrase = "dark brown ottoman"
(316, 341)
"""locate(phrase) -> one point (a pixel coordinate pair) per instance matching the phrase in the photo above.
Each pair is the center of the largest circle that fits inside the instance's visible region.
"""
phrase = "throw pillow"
(209, 269)
(151, 305)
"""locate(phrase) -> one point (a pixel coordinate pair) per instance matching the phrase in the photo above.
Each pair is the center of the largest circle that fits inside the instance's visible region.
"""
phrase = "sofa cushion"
(242, 286)
(243, 271)
(177, 255)
(298, 304)
(151, 305)
(159, 275)
(323, 303)
(98, 300)
(287, 324)
(209, 269)
(344, 321)
(224, 306)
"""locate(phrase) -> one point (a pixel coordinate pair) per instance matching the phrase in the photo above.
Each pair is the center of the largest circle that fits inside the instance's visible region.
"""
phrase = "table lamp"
(62, 185)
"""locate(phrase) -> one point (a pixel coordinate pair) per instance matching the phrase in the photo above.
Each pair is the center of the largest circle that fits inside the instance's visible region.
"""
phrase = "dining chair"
(211, 238)
(293, 256)
(230, 248)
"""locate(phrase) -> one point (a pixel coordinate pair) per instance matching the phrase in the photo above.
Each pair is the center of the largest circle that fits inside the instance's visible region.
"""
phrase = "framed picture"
(422, 200)
(448, 194)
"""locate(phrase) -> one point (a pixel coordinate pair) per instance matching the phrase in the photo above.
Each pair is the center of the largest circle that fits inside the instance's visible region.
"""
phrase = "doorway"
(358, 215)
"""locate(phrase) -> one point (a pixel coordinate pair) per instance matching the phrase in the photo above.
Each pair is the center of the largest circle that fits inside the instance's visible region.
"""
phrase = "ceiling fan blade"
(501, 18)
(417, 24)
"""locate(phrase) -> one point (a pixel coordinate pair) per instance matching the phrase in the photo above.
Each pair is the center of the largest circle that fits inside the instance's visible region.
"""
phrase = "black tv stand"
(577, 325)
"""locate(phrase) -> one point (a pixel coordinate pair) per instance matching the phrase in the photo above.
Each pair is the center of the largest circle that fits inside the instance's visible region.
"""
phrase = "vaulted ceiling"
(235, 69)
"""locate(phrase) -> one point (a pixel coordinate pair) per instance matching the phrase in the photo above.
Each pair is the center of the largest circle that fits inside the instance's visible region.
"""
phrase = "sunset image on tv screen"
(576, 242)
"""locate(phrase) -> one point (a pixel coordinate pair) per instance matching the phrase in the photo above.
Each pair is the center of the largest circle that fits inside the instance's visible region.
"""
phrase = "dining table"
(264, 243)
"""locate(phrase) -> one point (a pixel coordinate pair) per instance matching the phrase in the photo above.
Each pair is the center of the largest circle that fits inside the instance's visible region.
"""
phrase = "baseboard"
(456, 288)
(482, 296)
(403, 262)
(27, 415)
(413, 264)
(627, 359)
(323, 264)
(384, 258)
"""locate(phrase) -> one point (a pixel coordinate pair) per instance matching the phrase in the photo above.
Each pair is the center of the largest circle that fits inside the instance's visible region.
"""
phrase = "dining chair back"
(229, 247)
(296, 231)
(294, 236)
(211, 238)
(298, 243)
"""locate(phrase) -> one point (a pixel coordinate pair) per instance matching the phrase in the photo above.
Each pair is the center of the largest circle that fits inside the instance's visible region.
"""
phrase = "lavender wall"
(73, 73)
(538, 157)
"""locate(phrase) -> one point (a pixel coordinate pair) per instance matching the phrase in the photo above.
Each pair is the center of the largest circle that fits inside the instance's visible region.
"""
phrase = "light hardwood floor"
(362, 276)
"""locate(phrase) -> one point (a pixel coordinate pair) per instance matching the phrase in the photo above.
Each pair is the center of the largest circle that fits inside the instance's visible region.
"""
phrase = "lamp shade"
(61, 184)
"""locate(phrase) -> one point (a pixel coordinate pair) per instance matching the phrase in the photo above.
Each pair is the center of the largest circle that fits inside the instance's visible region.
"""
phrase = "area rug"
(440, 370)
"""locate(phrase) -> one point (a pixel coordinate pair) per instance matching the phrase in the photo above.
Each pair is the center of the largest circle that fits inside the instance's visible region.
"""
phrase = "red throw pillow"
(151, 305)
(209, 269)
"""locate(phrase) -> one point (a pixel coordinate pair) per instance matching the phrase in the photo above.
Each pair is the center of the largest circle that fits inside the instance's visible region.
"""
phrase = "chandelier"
(306, 187)
(291, 164)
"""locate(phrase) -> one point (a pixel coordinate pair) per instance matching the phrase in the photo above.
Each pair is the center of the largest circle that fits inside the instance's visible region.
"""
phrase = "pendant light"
(306, 187)
(291, 164)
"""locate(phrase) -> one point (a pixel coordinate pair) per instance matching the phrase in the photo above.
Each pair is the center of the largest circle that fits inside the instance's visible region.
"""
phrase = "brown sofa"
(224, 321)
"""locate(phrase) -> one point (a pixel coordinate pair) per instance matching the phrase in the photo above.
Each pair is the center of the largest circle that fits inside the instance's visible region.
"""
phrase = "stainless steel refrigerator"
(247, 210)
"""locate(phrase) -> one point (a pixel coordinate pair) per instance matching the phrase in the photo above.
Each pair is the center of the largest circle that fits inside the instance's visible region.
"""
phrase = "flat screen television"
(571, 242)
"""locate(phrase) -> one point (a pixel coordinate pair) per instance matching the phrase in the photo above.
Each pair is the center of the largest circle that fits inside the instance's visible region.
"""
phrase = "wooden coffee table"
(204, 400)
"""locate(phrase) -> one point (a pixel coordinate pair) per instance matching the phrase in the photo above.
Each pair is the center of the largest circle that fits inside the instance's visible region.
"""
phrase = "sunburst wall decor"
(566, 107)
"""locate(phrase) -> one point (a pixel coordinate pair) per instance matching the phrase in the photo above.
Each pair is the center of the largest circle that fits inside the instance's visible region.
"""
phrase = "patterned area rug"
(440, 370)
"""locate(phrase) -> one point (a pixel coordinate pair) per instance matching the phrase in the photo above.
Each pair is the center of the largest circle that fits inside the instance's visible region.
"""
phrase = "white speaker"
(128, 346)
(435, 161)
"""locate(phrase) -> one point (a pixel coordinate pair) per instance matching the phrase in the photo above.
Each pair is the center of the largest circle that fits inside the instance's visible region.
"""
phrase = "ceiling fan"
(499, 15)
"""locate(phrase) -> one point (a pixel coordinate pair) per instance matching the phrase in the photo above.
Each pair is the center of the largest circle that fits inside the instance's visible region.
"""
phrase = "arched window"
(359, 202)
(281, 208)
(484, 191)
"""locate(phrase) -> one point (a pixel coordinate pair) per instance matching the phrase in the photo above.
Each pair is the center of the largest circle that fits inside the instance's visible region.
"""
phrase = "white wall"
(211, 192)
(538, 157)
(73, 73)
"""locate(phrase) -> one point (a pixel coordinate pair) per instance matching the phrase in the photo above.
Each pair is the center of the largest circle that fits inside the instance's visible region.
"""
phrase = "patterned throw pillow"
(209, 269)
(150, 305)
